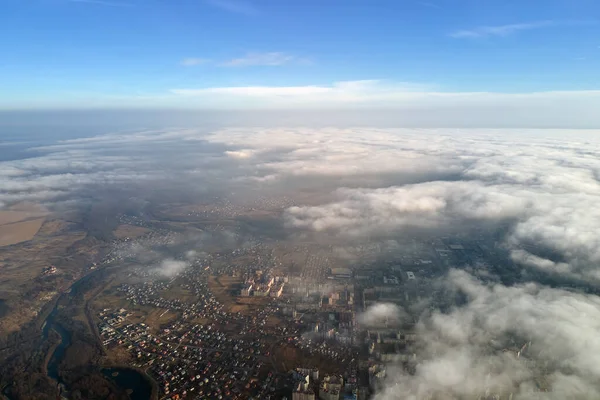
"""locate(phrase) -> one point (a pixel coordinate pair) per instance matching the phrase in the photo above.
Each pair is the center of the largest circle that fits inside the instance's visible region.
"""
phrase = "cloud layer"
(543, 183)
(541, 186)
(547, 187)
(520, 340)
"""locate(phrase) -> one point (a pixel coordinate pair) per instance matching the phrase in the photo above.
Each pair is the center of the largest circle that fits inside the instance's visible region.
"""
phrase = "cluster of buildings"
(309, 386)
(197, 360)
(315, 296)
(262, 284)
(50, 270)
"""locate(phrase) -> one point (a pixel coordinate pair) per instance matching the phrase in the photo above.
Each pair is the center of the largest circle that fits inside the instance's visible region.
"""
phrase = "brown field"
(130, 231)
(179, 293)
(17, 232)
(225, 289)
(53, 226)
(287, 357)
(10, 217)
(20, 223)
(159, 316)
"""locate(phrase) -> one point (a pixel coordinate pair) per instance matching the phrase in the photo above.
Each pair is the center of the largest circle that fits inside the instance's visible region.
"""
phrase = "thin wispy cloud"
(500, 30)
(234, 6)
(193, 61)
(269, 59)
(102, 3)
(260, 59)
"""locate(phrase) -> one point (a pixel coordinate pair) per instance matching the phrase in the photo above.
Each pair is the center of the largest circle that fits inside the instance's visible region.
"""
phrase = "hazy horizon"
(99, 121)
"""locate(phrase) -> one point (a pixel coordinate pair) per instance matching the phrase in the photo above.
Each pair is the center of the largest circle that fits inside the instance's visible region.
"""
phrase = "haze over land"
(537, 190)
(216, 199)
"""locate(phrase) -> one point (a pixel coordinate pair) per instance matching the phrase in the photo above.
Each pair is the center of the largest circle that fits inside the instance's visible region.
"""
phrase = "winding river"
(61, 348)
(133, 382)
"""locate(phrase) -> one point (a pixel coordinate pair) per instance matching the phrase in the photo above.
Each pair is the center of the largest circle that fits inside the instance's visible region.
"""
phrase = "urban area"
(270, 320)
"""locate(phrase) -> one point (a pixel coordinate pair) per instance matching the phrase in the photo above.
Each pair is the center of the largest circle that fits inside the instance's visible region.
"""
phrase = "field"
(286, 357)
(177, 292)
(18, 232)
(225, 289)
(129, 231)
(20, 223)
(10, 217)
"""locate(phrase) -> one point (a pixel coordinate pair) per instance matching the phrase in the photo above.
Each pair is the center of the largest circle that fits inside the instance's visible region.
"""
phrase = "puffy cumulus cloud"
(191, 255)
(381, 314)
(504, 340)
(429, 204)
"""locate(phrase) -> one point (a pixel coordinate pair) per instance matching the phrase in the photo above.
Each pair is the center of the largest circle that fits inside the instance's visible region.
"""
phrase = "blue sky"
(204, 53)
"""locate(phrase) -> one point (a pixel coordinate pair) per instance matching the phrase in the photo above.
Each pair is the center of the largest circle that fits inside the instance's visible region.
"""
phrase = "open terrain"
(17, 232)
(20, 223)
(129, 231)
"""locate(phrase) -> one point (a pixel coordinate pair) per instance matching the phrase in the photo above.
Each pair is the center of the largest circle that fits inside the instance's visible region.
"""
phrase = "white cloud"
(547, 182)
(409, 101)
(65, 169)
(256, 91)
(544, 181)
(500, 30)
(240, 153)
(343, 152)
(503, 341)
(270, 59)
(336, 93)
(170, 268)
(368, 102)
(381, 314)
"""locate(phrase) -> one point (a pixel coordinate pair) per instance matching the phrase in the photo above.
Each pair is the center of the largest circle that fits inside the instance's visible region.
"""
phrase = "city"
(271, 320)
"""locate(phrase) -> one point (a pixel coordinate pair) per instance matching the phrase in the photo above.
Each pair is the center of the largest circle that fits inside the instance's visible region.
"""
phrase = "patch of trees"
(93, 386)
(25, 371)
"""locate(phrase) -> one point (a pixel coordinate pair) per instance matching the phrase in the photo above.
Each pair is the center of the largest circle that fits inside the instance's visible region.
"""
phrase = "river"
(59, 351)
(130, 380)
